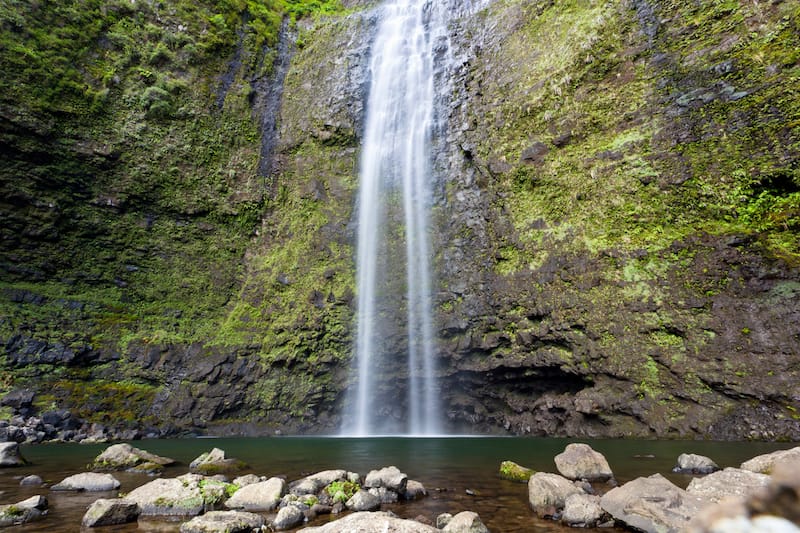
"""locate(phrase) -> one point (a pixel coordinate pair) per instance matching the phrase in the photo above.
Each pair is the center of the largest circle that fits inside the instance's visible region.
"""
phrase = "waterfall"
(394, 206)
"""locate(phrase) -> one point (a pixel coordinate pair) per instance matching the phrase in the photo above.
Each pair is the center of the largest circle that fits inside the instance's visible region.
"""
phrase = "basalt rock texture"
(616, 216)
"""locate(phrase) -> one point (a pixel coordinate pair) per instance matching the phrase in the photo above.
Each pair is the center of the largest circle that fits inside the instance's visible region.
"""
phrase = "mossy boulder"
(513, 472)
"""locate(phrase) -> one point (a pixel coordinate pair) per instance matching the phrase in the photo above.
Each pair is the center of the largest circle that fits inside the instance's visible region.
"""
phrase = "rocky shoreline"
(214, 496)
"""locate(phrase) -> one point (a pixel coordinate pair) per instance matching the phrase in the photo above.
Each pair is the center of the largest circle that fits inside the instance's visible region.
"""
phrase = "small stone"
(414, 490)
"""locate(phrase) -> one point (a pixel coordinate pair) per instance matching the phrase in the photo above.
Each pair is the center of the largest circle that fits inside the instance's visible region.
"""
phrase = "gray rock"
(385, 495)
(108, 512)
(89, 482)
(442, 520)
(414, 490)
(465, 522)
(214, 462)
(261, 496)
(652, 504)
(582, 510)
(223, 522)
(180, 496)
(288, 517)
(580, 461)
(10, 456)
(363, 501)
(390, 478)
(689, 463)
(765, 464)
(728, 482)
(124, 457)
(547, 493)
(316, 482)
(377, 521)
(31, 481)
(23, 512)
(249, 479)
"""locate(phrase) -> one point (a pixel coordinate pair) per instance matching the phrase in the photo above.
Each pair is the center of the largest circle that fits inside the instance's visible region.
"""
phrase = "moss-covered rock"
(513, 472)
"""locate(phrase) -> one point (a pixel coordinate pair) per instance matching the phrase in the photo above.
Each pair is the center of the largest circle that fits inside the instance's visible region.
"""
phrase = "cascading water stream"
(396, 163)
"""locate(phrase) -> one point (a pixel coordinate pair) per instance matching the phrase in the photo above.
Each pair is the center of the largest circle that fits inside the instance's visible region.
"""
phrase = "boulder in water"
(215, 462)
(652, 504)
(23, 512)
(364, 501)
(261, 496)
(513, 472)
(765, 464)
(316, 482)
(389, 477)
(580, 461)
(31, 481)
(126, 457)
(547, 493)
(288, 517)
(109, 512)
(690, 463)
(186, 495)
(10, 456)
(728, 482)
(582, 510)
(89, 482)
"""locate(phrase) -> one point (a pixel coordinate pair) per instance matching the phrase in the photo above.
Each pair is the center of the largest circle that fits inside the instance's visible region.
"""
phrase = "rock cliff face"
(617, 221)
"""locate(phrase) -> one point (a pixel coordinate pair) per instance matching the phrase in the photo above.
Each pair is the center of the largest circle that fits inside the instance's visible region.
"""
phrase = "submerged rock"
(547, 493)
(261, 496)
(652, 504)
(689, 463)
(108, 512)
(513, 472)
(224, 522)
(375, 521)
(580, 461)
(89, 482)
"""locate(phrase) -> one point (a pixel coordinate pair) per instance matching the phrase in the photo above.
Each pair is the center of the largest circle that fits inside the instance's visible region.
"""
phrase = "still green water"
(448, 467)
